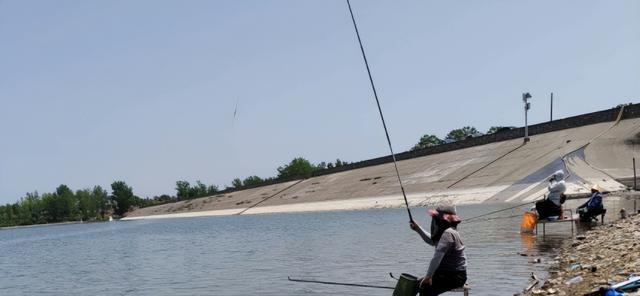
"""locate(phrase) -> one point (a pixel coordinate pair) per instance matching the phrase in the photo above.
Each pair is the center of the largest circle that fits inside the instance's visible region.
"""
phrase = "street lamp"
(527, 106)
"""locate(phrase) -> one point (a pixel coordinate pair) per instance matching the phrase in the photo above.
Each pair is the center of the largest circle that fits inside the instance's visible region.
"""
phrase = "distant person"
(448, 267)
(552, 205)
(593, 207)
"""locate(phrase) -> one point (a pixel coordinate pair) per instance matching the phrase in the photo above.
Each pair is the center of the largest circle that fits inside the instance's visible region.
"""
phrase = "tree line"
(64, 204)
(96, 204)
(429, 140)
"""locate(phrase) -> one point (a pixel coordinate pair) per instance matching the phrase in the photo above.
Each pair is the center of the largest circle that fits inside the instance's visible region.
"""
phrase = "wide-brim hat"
(447, 213)
(596, 187)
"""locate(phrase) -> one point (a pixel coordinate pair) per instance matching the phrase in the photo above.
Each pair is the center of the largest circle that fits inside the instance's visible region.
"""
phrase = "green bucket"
(407, 285)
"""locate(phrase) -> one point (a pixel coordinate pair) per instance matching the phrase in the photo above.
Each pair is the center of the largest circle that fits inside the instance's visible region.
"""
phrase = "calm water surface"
(254, 254)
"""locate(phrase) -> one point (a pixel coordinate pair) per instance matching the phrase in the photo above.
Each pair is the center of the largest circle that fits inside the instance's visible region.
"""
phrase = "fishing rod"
(375, 95)
(340, 284)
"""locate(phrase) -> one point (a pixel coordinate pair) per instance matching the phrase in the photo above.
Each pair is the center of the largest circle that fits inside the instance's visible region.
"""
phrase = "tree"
(212, 189)
(236, 183)
(61, 205)
(86, 205)
(31, 207)
(461, 133)
(182, 189)
(339, 163)
(297, 167)
(497, 129)
(101, 199)
(123, 196)
(427, 141)
(252, 181)
(200, 189)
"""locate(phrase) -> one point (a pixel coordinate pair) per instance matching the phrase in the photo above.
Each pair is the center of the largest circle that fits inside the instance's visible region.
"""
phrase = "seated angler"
(593, 207)
(552, 205)
(448, 267)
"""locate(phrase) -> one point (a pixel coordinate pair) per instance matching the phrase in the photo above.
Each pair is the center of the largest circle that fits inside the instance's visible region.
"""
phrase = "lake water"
(254, 254)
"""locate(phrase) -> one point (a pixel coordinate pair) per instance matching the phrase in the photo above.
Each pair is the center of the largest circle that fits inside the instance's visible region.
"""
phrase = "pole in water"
(384, 125)
(635, 200)
(634, 175)
(339, 284)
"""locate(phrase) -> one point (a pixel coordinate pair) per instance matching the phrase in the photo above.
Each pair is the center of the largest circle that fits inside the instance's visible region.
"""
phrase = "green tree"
(212, 189)
(86, 205)
(123, 197)
(427, 141)
(31, 207)
(182, 189)
(101, 199)
(60, 205)
(252, 181)
(495, 129)
(56, 207)
(198, 190)
(236, 183)
(461, 133)
(297, 167)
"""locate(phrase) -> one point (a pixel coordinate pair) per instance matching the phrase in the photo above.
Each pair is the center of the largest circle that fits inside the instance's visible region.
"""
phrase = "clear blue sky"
(144, 91)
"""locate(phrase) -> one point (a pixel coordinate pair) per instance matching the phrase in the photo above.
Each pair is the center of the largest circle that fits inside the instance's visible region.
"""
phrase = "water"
(254, 254)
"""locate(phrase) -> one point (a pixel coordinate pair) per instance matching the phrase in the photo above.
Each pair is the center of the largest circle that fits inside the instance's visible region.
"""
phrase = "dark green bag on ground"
(407, 285)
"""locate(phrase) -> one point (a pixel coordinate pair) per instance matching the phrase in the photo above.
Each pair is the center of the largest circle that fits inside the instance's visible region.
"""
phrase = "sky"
(145, 91)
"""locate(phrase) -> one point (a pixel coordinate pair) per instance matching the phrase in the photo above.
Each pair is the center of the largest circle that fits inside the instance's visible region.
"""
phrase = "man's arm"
(445, 243)
(425, 235)
(583, 205)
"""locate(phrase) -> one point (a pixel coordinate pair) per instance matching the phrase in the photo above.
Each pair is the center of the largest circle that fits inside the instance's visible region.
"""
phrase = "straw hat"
(596, 187)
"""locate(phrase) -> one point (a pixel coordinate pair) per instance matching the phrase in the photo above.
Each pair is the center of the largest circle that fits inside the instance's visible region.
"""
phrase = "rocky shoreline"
(604, 255)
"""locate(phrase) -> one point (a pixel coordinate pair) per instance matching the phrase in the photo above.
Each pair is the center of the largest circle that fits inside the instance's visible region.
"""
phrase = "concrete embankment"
(605, 255)
(591, 148)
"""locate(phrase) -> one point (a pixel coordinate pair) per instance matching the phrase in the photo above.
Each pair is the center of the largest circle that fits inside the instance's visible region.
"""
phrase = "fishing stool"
(465, 289)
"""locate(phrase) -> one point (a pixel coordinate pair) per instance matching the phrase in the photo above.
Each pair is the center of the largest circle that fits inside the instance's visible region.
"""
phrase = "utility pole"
(551, 114)
(527, 106)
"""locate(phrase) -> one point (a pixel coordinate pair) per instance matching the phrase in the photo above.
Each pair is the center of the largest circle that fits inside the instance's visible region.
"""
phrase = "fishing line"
(498, 211)
(375, 95)
(339, 284)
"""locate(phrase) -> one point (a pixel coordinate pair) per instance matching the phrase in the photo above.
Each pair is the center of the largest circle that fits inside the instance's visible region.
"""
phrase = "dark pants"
(588, 214)
(547, 208)
(443, 281)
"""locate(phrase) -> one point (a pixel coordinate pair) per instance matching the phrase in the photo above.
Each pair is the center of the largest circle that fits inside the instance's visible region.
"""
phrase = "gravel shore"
(605, 255)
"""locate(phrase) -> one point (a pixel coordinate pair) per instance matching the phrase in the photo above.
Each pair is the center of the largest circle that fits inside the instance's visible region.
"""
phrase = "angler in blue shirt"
(593, 207)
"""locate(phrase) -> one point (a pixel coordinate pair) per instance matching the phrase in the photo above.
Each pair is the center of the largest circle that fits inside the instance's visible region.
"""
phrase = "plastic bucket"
(407, 285)
(529, 221)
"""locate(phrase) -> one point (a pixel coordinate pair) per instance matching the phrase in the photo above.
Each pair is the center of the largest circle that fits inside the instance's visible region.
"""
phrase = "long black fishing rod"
(340, 284)
(375, 94)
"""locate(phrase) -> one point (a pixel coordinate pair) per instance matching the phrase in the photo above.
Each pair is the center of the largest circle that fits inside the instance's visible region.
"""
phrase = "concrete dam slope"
(501, 171)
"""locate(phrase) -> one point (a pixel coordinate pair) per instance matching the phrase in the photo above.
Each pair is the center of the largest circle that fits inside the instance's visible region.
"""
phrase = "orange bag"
(529, 221)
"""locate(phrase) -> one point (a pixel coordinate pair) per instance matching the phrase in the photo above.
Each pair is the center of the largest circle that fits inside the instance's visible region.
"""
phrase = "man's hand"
(425, 281)
(414, 225)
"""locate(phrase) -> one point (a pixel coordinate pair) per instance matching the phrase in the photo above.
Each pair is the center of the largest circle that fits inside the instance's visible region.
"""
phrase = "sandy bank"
(605, 255)
(390, 201)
